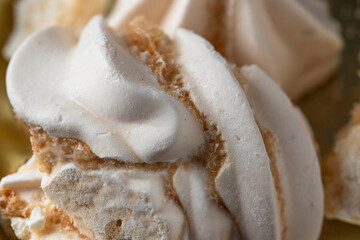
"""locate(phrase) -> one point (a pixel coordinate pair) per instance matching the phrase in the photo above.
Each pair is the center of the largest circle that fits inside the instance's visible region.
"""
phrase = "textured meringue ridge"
(293, 156)
(235, 180)
(282, 148)
(121, 105)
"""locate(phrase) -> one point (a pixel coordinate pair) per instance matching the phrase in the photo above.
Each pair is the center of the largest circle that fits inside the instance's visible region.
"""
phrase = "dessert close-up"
(156, 141)
(179, 119)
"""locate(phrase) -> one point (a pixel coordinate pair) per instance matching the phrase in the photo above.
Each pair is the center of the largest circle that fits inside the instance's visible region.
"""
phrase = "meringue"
(32, 15)
(36, 220)
(116, 203)
(101, 97)
(296, 42)
(198, 148)
(341, 174)
(252, 202)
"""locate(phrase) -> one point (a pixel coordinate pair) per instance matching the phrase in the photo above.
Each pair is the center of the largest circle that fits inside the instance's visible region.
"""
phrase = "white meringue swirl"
(95, 91)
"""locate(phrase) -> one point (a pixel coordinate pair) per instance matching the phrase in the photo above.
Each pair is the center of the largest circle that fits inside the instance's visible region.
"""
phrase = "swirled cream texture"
(260, 181)
(92, 89)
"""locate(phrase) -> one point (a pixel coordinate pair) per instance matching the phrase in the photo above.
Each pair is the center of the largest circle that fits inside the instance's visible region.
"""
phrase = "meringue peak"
(95, 91)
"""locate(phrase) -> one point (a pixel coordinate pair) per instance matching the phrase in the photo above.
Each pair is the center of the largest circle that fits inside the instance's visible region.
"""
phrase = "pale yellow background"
(15, 147)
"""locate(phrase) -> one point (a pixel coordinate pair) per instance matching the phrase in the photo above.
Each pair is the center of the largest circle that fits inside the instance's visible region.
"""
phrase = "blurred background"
(327, 108)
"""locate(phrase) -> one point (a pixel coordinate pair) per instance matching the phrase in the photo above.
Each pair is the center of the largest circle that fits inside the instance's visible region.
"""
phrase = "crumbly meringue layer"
(296, 42)
(100, 94)
(116, 203)
(32, 215)
(252, 189)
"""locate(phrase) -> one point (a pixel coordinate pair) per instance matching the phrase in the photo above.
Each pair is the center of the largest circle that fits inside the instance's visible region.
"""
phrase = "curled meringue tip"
(93, 90)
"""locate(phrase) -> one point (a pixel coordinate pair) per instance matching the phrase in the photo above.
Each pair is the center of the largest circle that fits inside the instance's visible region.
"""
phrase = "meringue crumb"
(12, 206)
(20, 227)
(37, 219)
(24, 216)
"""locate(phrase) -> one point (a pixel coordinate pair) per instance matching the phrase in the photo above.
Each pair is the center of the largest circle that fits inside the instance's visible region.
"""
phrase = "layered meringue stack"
(136, 136)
